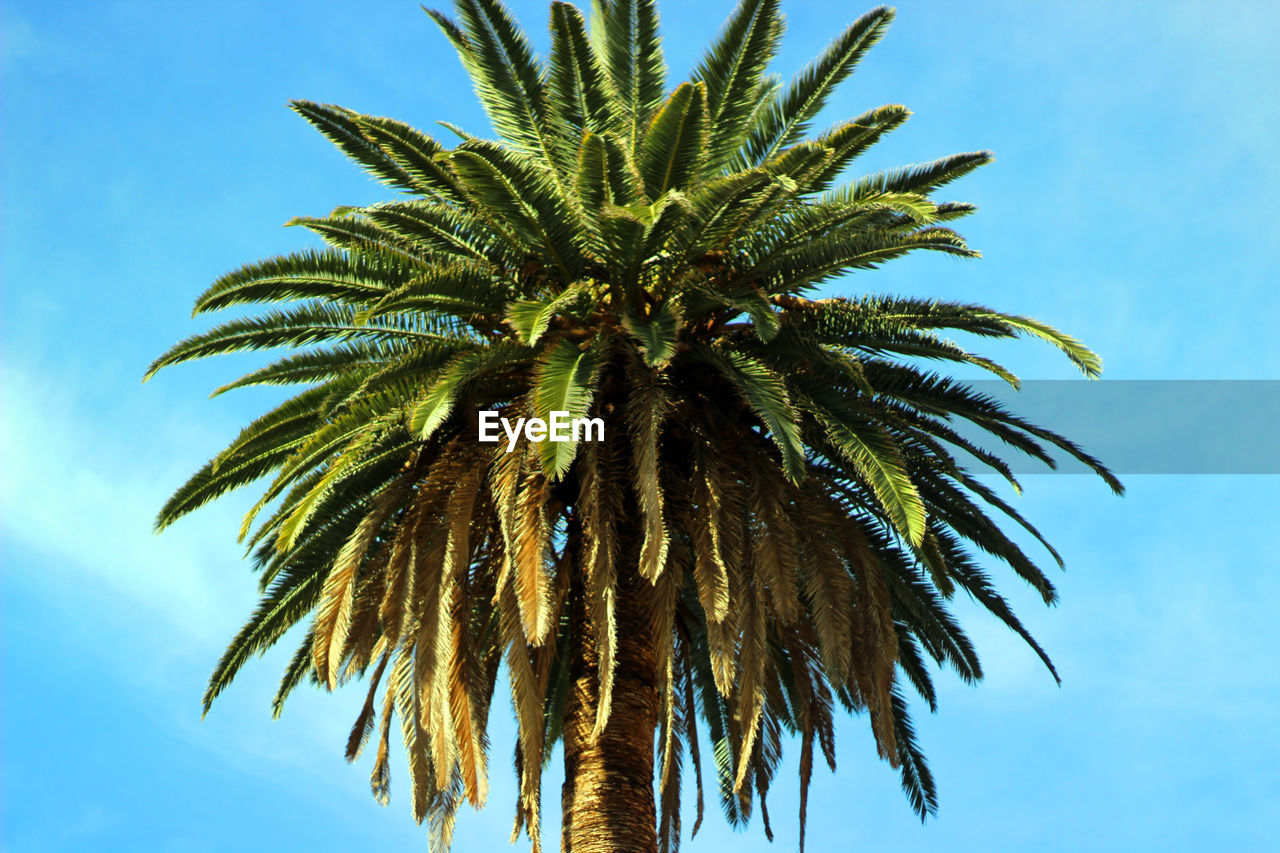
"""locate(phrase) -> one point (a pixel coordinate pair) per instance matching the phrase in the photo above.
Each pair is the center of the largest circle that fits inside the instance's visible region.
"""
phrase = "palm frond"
(787, 117)
(733, 71)
(624, 34)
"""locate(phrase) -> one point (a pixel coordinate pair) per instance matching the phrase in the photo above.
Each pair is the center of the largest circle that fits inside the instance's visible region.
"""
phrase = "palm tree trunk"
(607, 797)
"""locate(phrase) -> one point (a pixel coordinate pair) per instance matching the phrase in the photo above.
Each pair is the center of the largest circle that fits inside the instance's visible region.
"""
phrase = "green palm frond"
(788, 117)
(577, 90)
(324, 274)
(733, 70)
(563, 381)
(675, 142)
(624, 34)
(341, 127)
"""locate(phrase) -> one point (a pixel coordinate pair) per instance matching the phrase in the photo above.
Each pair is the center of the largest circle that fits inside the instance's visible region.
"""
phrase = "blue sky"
(146, 150)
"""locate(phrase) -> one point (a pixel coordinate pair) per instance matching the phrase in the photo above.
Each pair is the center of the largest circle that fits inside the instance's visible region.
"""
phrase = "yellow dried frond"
(380, 778)
(710, 573)
(333, 614)
(722, 640)
(830, 592)
(364, 722)
(647, 409)
(533, 541)
(752, 660)
(402, 689)
(505, 470)
(876, 639)
(775, 546)
(527, 696)
(409, 549)
(598, 511)
(365, 632)
(464, 680)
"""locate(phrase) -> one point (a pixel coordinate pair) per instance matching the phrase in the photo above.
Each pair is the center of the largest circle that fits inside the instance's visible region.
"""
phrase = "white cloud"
(83, 495)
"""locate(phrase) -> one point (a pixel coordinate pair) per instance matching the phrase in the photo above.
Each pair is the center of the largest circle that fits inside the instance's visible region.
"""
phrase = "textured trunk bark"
(607, 797)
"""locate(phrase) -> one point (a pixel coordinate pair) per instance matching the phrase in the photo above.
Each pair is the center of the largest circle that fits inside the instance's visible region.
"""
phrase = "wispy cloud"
(81, 493)
(78, 489)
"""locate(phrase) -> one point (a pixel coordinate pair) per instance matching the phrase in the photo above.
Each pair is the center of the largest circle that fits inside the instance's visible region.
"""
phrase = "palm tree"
(781, 503)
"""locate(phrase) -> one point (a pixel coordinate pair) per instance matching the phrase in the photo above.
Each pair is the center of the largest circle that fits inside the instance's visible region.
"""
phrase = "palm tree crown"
(778, 512)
